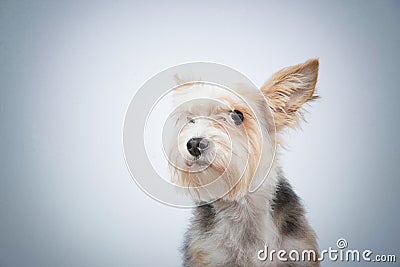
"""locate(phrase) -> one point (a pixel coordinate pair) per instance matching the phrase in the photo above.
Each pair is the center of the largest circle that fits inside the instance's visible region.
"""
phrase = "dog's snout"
(196, 145)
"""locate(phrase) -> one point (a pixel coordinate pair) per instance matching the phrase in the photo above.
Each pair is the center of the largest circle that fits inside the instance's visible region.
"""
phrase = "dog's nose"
(196, 145)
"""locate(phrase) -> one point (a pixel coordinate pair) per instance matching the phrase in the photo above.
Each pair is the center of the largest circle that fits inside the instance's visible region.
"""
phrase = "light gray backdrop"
(69, 69)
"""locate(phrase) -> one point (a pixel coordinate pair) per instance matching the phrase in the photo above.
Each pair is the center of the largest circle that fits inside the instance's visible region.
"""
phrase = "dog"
(226, 140)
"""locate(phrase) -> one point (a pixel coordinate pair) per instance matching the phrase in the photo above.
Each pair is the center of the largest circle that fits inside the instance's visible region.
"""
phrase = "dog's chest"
(231, 235)
(242, 239)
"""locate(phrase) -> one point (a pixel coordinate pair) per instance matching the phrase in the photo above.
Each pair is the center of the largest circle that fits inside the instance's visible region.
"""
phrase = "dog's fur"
(230, 230)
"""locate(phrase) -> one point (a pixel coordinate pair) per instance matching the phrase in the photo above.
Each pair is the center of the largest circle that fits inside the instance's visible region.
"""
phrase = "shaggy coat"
(226, 151)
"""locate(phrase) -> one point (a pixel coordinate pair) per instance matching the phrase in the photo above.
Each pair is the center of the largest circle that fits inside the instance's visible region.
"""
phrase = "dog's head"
(224, 137)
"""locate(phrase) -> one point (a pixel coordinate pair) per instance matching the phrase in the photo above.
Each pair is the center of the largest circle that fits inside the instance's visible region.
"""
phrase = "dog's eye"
(237, 117)
(190, 119)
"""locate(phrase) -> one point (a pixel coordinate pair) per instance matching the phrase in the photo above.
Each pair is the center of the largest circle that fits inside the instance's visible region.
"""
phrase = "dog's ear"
(288, 89)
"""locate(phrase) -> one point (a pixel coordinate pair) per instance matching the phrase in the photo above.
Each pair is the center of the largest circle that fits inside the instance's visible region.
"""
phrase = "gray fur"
(287, 211)
(236, 228)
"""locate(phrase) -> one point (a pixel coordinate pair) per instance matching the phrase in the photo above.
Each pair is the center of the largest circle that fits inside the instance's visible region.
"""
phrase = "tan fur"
(198, 258)
(288, 89)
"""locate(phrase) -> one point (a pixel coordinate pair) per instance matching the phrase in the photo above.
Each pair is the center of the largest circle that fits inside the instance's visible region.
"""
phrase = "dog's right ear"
(288, 89)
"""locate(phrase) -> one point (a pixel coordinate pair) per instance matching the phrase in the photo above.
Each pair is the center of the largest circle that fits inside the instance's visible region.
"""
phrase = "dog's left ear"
(288, 89)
